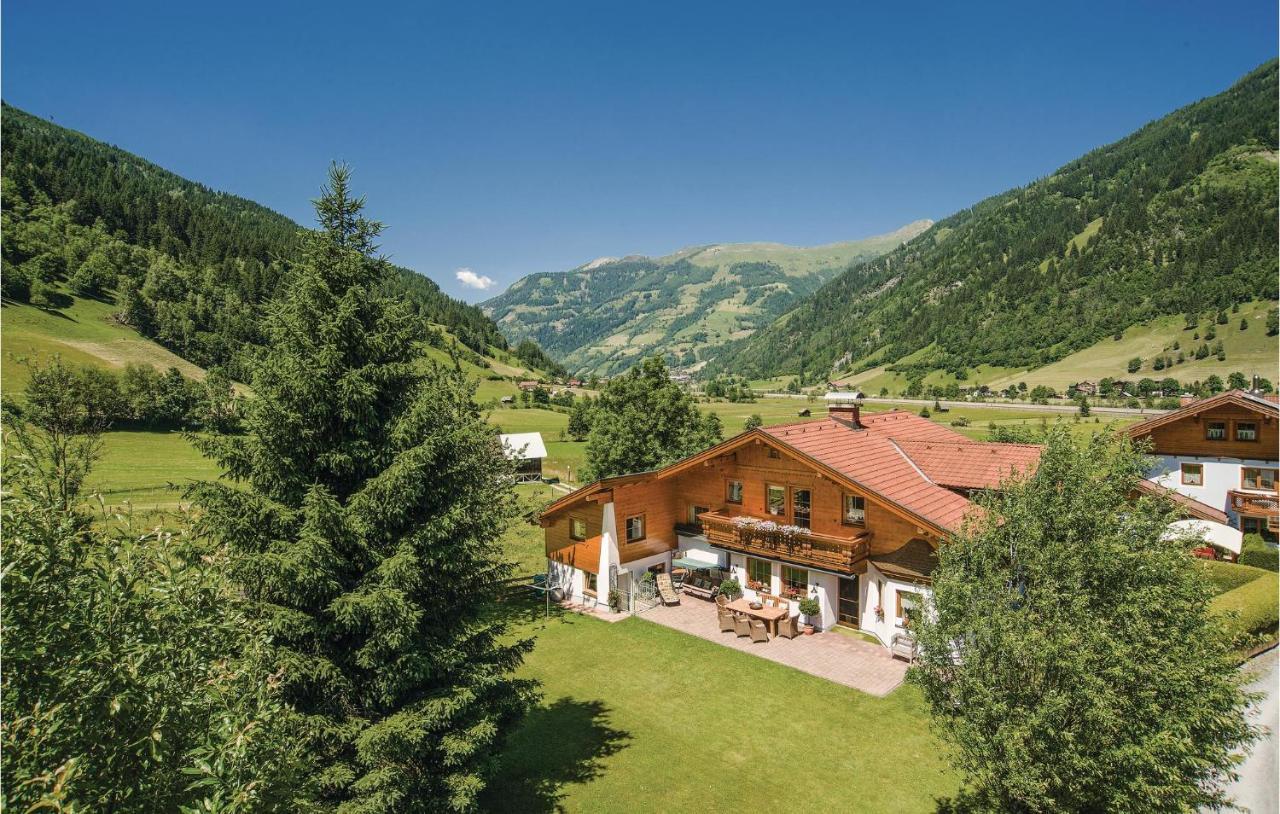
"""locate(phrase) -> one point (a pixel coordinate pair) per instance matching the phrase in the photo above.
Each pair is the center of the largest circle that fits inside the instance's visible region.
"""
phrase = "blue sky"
(523, 137)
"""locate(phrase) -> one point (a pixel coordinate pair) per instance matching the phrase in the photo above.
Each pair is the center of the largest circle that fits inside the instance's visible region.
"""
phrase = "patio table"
(771, 616)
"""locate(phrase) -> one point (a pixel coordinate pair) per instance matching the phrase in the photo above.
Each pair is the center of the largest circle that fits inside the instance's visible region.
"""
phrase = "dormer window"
(1215, 430)
(1246, 431)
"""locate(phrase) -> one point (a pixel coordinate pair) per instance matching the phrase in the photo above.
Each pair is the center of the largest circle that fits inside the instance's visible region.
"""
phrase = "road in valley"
(1258, 789)
(1002, 405)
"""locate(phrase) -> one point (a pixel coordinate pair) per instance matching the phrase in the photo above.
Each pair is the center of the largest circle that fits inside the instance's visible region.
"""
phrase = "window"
(694, 511)
(801, 501)
(1193, 474)
(590, 583)
(577, 528)
(1253, 477)
(795, 581)
(1215, 430)
(733, 492)
(760, 571)
(635, 528)
(773, 453)
(855, 510)
(1246, 431)
(776, 500)
(906, 601)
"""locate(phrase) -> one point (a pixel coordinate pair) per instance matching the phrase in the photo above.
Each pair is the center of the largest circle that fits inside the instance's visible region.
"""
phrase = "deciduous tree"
(1070, 659)
(642, 420)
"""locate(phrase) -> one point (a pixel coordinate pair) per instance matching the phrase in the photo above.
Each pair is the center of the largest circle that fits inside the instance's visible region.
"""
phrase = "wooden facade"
(700, 493)
(1218, 431)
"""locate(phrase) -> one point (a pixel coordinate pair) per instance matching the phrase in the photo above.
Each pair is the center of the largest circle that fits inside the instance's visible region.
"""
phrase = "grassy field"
(637, 717)
(141, 467)
(82, 334)
(1249, 351)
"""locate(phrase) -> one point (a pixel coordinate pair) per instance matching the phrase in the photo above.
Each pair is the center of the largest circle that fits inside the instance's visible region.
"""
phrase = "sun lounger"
(666, 591)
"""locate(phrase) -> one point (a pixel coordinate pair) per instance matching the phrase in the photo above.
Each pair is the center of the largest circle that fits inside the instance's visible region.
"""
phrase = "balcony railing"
(803, 547)
(1253, 504)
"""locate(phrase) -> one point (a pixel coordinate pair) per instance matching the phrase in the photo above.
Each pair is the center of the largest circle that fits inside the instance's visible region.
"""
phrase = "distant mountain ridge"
(1177, 218)
(605, 314)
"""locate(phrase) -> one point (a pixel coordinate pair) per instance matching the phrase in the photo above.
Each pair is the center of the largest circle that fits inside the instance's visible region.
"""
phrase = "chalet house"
(848, 509)
(529, 385)
(1221, 451)
(1087, 388)
(574, 383)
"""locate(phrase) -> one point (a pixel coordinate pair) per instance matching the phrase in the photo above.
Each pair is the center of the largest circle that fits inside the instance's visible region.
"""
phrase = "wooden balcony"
(1254, 504)
(803, 548)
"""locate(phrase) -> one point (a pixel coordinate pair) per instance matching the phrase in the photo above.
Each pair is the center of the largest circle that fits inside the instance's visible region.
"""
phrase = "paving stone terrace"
(832, 655)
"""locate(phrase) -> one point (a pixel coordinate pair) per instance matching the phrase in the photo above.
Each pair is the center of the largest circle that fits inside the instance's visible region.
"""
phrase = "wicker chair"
(759, 633)
(722, 600)
(726, 622)
(742, 626)
(789, 626)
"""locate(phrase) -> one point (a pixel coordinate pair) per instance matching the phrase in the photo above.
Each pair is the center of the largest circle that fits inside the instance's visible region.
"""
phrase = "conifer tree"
(366, 534)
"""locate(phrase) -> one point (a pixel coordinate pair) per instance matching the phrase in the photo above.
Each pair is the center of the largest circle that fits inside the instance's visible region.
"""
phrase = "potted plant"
(811, 610)
(615, 600)
(730, 588)
(879, 611)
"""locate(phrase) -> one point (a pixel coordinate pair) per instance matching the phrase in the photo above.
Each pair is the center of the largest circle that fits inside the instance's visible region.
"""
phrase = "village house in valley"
(848, 510)
(1221, 452)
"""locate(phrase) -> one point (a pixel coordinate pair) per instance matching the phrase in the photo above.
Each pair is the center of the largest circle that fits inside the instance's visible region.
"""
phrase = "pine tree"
(366, 534)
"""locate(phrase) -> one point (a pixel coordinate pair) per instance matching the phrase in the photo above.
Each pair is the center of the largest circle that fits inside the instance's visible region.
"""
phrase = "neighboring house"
(1087, 388)
(529, 385)
(527, 450)
(1222, 452)
(848, 509)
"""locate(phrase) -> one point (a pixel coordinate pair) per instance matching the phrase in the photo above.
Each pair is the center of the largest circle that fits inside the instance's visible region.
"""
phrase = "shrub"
(1227, 576)
(962, 421)
(731, 588)
(1255, 551)
(1252, 611)
(810, 607)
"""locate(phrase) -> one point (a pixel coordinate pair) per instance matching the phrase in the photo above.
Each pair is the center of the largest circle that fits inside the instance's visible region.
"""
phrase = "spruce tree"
(365, 531)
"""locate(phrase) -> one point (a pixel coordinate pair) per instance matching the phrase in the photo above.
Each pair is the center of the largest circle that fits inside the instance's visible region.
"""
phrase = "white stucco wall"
(1220, 476)
(873, 583)
(697, 548)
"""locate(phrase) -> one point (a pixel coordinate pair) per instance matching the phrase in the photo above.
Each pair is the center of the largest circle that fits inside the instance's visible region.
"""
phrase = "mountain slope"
(1179, 217)
(603, 315)
(192, 267)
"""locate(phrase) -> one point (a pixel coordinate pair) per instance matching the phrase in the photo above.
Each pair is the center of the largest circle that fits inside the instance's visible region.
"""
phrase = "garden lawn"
(641, 718)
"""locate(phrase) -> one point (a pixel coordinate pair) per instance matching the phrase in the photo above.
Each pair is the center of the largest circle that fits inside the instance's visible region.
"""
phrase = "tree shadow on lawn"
(557, 745)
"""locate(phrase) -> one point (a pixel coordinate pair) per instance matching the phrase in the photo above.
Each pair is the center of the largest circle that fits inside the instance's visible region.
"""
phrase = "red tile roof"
(970, 464)
(871, 459)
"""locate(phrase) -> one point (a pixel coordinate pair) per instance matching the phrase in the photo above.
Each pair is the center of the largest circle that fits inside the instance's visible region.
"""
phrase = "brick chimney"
(846, 413)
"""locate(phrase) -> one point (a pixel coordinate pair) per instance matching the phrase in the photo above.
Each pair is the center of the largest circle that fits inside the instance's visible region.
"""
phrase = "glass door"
(800, 503)
(848, 611)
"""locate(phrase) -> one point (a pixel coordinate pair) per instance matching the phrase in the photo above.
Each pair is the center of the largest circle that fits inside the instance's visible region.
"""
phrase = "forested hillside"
(1177, 218)
(188, 267)
(605, 315)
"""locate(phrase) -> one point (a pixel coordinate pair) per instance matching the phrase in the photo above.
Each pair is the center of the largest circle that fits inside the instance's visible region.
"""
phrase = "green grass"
(525, 542)
(83, 333)
(1248, 351)
(636, 717)
(138, 467)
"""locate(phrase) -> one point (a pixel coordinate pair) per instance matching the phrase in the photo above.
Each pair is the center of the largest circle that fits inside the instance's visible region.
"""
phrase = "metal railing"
(801, 547)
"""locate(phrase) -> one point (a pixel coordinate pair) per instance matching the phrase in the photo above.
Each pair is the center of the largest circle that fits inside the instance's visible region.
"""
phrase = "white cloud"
(472, 280)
